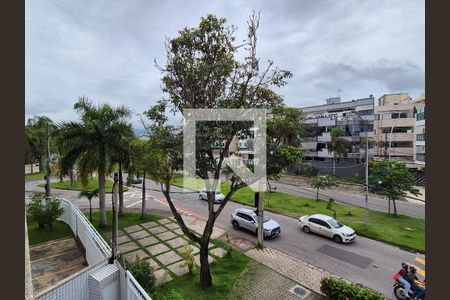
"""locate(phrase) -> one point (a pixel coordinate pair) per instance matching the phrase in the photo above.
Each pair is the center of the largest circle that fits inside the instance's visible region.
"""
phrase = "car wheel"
(235, 225)
(398, 292)
(306, 229)
(337, 239)
(200, 197)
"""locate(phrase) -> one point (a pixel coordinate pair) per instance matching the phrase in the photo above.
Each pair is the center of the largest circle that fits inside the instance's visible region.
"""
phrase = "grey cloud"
(105, 49)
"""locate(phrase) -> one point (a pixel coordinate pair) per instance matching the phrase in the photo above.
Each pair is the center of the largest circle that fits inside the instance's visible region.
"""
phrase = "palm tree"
(89, 195)
(338, 145)
(93, 142)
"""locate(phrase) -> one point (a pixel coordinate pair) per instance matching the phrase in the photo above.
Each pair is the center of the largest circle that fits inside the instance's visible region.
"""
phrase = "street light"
(366, 186)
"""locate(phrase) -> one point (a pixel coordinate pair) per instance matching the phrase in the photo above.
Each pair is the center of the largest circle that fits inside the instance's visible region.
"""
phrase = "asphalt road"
(365, 261)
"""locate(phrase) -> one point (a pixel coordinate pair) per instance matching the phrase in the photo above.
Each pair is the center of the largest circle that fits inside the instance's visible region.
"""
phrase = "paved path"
(416, 210)
(365, 261)
(259, 282)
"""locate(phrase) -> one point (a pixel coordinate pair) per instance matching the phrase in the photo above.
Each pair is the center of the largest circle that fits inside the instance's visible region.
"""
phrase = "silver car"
(204, 196)
(246, 218)
(327, 226)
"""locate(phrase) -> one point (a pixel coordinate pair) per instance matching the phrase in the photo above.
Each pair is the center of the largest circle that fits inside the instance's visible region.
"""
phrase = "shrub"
(337, 289)
(44, 210)
(143, 273)
(173, 295)
(311, 170)
(188, 258)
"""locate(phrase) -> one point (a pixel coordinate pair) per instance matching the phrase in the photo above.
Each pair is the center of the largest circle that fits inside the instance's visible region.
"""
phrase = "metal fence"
(96, 247)
(134, 289)
(76, 286)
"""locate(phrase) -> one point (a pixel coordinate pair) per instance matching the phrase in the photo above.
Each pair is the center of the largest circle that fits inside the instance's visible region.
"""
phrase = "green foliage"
(94, 143)
(143, 273)
(392, 180)
(172, 295)
(337, 289)
(284, 129)
(44, 210)
(311, 169)
(188, 258)
(330, 206)
(36, 235)
(35, 138)
(322, 182)
(338, 144)
(89, 194)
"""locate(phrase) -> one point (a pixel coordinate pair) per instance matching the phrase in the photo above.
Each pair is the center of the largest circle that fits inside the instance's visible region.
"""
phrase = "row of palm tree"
(99, 142)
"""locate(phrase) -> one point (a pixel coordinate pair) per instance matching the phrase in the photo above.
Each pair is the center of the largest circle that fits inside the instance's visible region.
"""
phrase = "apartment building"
(419, 131)
(394, 127)
(320, 119)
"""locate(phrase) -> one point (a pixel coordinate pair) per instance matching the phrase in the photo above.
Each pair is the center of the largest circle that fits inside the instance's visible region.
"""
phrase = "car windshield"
(335, 223)
(266, 219)
(217, 193)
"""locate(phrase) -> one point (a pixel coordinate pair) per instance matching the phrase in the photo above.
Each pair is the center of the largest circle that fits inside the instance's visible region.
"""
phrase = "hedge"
(337, 289)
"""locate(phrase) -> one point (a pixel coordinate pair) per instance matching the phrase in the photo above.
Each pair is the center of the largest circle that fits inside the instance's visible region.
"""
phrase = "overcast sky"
(105, 49)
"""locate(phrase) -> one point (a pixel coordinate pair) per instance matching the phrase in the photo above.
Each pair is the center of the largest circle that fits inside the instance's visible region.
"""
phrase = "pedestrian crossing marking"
(420, 260)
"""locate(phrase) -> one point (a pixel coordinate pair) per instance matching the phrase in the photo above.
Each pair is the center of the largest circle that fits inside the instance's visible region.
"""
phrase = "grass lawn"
(37, 236)
(129, 219)
(38, 176)
(92, 184)
(225, 271)
(403, 231)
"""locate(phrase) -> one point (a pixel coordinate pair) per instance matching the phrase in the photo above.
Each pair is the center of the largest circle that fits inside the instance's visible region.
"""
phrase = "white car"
(246, 218)
(327, 226)
(203, 196)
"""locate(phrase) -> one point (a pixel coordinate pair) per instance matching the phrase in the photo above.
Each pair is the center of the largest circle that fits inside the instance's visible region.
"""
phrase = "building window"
(420, 157)
(401, 144)
(420, 137)
(420, 116)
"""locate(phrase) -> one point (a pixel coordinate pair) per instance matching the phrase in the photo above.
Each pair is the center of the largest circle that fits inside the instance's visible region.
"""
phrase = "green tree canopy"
(392, 179)
(94, 142)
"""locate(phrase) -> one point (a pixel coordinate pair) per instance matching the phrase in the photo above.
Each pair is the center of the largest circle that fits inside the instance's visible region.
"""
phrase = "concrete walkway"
(305, 274)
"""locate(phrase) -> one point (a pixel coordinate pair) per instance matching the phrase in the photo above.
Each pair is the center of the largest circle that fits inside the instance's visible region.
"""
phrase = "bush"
(337, 289)
(311, 170)
(173, 295)
(143, 273)
(44, 210)
(188, 258)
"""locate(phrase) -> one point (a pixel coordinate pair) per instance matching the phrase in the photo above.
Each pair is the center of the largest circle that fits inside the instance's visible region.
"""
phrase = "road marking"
(133, 204)
(420, 271)
(420, 260)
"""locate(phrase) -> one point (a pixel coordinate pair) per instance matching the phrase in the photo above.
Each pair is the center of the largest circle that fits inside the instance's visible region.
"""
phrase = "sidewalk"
(305, 274)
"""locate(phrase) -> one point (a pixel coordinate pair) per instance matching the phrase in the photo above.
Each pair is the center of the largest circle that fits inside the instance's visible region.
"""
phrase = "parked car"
(246, 218)
(136, 180)
(203, 196)
(327, 226)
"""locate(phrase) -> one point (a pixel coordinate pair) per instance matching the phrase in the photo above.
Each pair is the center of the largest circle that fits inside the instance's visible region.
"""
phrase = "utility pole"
(366, 186)
(260, 220)
(115, 196)
(47, 176)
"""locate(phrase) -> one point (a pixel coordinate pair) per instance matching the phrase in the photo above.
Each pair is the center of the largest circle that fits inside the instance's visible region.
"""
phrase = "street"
(365, 261)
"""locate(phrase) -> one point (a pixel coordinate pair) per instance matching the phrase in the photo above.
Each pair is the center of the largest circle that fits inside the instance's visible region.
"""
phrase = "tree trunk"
(72, 182)
(389, 205)
(32, 164)
(269, 186)
(120, 190)
(101, 192)
(205, 274)
(90, 210)
(395, 207)
(334, 163)
(317, 195)
(48, 171)
(143, 213)
(41, 165)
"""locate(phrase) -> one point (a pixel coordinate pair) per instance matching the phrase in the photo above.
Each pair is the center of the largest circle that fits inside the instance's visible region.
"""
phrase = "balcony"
(325, 137)
(326, 122)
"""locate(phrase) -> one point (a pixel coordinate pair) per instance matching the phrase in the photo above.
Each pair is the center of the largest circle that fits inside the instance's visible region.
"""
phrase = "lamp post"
(390, 138)
(366, 186)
